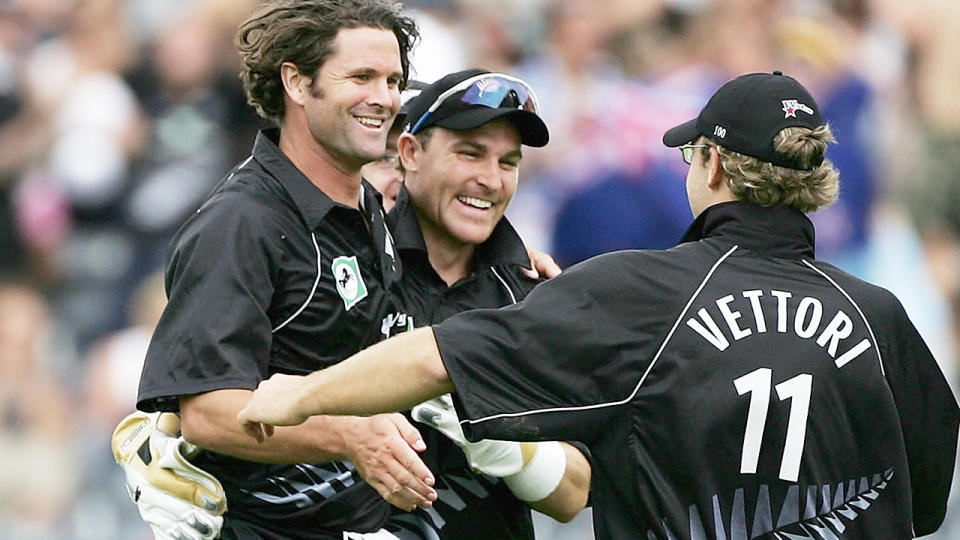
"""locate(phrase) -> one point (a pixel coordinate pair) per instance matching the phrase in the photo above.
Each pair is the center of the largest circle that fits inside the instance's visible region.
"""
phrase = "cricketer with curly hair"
(287, 267)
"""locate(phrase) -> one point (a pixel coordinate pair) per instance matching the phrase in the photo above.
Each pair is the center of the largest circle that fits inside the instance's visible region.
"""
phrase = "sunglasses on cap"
(493, 90)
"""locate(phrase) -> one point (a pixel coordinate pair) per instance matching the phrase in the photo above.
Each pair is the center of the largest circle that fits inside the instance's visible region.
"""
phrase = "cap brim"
(682, 134)
(533, 132)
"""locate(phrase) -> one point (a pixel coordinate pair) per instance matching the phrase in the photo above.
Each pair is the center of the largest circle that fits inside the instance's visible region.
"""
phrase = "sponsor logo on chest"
(395, 323)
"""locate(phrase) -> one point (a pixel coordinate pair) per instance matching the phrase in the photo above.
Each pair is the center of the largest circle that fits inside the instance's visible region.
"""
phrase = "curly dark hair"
(302, 32)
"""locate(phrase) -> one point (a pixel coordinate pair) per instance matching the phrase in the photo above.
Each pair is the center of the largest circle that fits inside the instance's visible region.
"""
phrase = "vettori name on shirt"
(807, 322)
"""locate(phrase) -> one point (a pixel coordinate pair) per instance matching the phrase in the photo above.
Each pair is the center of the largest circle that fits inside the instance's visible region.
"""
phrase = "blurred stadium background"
(116, 117)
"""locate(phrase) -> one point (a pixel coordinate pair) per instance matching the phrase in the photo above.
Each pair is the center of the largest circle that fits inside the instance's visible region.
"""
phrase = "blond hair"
(767, 184)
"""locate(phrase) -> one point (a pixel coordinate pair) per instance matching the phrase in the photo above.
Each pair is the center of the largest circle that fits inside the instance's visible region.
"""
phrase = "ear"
(409, 149)
(295, 83)
(714, 171)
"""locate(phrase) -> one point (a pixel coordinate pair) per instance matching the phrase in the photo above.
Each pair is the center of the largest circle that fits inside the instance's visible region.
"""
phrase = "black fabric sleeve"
(553, 367)
(215, 332)
(929, 418)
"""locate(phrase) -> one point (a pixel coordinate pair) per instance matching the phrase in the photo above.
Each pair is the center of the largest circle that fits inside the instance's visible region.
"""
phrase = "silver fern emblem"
(822, 514)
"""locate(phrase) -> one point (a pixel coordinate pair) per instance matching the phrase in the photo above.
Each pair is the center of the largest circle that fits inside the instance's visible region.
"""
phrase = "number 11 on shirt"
(797, 390)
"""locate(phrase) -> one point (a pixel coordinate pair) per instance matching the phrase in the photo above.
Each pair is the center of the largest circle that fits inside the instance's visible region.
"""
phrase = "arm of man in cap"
(393, 375)
(552, 477)
(383, 447)
(397, 374)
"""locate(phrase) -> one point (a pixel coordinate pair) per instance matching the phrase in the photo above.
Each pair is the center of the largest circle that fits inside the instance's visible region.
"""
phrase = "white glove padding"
(177, 499)
(495, 458)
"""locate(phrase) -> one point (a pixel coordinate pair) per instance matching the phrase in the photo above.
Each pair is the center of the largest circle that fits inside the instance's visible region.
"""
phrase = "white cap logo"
(791, 106)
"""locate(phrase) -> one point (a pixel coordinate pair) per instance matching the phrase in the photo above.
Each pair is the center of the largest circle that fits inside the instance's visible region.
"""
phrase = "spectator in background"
(816, 48)
(95, 129)
(621, 210)
(14, 35)
(440, 50)
(116, 360)
(934, 190)
(26, 244)
(577, 76)
(576, 79)
(39, 472)
(631, 194)
(183, 89)
(504, 32)
(108, 392)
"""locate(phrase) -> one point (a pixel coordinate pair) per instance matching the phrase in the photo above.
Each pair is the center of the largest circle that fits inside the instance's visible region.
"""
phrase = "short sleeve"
(215, 332)
(554, 366)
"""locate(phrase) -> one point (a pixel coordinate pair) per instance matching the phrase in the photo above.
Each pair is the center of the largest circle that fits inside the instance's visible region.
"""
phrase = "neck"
(450, 258)
(338, 181)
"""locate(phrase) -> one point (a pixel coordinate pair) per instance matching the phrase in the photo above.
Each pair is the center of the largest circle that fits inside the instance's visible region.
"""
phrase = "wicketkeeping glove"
(495, 458)
(177, 499)
(532, 471)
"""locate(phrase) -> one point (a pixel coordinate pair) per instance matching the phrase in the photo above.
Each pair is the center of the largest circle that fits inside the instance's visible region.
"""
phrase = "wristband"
(541, 476)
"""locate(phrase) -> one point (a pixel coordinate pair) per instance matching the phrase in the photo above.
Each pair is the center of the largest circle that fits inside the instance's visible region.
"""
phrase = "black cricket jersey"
(470, 505)
(732, 387)
(271, 276)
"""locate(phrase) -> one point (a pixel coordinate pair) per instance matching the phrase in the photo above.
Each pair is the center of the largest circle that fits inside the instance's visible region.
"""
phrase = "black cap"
(458, 116)
(746, 113)
(409, 92)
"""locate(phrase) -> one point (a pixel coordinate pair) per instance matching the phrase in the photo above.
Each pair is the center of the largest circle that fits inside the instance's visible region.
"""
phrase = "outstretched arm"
(393, 375)
(383, 447)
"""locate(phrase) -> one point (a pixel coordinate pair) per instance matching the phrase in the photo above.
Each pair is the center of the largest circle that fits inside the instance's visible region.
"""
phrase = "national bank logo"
(350, 283)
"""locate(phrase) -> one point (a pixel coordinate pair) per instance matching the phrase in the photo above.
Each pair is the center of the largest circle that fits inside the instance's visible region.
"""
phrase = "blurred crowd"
(117, 116)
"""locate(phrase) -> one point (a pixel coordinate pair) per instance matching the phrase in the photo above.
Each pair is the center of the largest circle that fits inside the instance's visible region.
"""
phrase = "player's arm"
(929, 418)
(384, 447)
(393, 375)
(571, 494)
(209, 421)
(552, 477)
(397, 374)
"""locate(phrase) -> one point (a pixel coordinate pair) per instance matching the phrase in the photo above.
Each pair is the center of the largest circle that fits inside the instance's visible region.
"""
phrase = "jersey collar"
(504, 247)
(310, 200)
(777, 231)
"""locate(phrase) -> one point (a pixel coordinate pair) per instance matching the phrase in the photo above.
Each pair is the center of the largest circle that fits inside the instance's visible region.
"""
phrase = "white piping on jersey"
(238, 167)
(312, 291)
(857, 307)
(642, 377)
(513, 299)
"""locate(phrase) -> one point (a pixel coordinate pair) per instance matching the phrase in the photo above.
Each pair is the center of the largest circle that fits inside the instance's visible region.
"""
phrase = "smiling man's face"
(355, 95)
(462, 181)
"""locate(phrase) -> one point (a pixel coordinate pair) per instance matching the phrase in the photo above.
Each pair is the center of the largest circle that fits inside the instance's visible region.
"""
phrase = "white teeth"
(373, 122)
(475, 202)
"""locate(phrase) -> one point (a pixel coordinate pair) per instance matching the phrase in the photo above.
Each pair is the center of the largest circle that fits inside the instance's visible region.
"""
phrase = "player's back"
(731, 387)
(779, 414)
